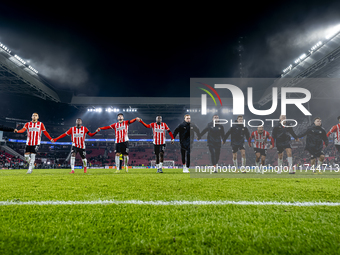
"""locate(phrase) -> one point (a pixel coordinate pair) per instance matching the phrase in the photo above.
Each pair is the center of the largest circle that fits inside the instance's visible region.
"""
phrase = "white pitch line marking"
(159, 202)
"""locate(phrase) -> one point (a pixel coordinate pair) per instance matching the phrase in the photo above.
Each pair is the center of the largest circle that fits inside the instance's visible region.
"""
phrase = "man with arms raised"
(214, 139)
(34, 129)
(159, 129)
(336, 130)
(77, 134)
(260, 145)
(186, 132)
(121, 134)
(238, 132)
(282, 133)
(316, 136)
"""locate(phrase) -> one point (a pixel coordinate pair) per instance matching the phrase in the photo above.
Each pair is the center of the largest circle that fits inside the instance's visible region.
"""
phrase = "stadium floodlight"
(4, 48)
(20, 59)
(332, 32)
(31, 68)
(288, 68)
(303, 56)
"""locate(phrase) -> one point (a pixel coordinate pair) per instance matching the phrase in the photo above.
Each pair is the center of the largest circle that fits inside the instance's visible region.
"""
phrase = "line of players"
(282, 132)
(281, 135)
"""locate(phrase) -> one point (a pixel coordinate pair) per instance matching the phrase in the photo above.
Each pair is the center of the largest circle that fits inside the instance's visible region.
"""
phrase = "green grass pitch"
(119, 228)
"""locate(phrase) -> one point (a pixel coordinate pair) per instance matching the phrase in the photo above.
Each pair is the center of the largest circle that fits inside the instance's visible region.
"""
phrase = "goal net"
(166, 163)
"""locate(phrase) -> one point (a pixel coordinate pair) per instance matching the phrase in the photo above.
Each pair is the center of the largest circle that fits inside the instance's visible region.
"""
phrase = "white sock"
(235, 162)
(117, 162)
(84, 162)
(279, 162)
(126, 160)
(243, 161)
(157, 166)
(27, 158)
(73, 160)
(290, 163)
(184, 166)
(161, 165)
(31, 165)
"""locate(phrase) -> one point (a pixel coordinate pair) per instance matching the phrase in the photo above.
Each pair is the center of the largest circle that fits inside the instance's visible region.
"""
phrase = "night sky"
(128, 50)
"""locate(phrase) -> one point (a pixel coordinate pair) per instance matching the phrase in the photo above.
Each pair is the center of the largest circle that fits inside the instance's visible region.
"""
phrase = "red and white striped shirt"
(335, 129)
(78, 136)
(159, 132)
(34, 130)
(260, 140)
(121, 130)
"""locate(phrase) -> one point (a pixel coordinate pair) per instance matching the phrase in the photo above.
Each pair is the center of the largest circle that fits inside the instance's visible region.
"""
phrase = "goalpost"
(166, 163)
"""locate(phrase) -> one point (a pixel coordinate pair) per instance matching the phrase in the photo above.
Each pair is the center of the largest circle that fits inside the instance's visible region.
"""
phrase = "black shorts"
(31, 149)
(337, 147)
(315, 154)
(236, 148)
(122, 148)
(81, 152)
(281, 148)
(261, 151)
(159, 148)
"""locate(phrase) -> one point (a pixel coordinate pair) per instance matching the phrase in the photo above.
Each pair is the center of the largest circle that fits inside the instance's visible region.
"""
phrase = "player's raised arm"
(169, 131)
(333, 129)
(68, 132)
(88, 132)
(105, 128)
(227, 134)
(304, 133)
(325, 137)
(250, 138)
(204, 131)
(271, 140)
(43, 129)
(196, 130)
(291, 131)
(247, 134)
(145, 125)
(23, 129)
(132, 121)
(177, 130)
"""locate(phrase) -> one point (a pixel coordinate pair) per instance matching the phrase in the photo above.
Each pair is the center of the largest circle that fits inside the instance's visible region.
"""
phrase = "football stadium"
(203, 173)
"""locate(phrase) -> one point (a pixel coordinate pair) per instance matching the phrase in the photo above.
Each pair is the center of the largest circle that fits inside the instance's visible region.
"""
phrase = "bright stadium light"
(288, 68)
(20, 59)
(332, 32)
(4, 48)
(303, 56)
(31, 68)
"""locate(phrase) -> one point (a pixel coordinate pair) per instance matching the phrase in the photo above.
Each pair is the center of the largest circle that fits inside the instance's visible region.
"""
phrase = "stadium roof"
(322, 61)
(18, 77)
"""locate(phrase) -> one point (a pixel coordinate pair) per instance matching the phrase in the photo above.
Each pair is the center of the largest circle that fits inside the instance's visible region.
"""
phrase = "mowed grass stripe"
(187, 229)
(146, 185)
(165, 203)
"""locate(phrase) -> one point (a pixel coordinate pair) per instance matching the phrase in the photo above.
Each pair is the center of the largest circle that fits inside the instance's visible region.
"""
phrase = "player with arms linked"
(34, 130)
(121, 134)
(316, 136)
(186, 132)
(238, 132)
(159, 129)
(260, 145)
(77, 134)
(282, 133)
